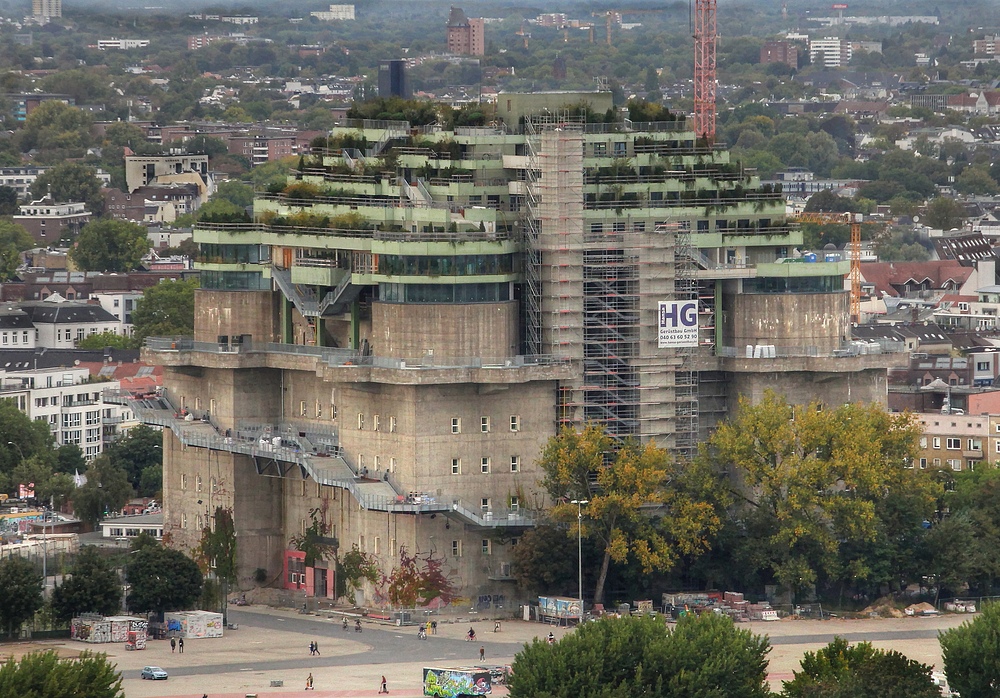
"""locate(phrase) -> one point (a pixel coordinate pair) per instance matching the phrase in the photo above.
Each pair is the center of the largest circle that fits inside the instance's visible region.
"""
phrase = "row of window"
(13, 337)
(376, 422)
(198, 483)
(458, 265)
(486, 546)
(955, 443)
(485, 424)
(486, 465)
(444, 293)
(953, 463)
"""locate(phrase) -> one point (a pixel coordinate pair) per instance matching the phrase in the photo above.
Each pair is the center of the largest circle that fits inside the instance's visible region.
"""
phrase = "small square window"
(515, 464)
(486, 465)
(515, 423)
(456, 425)
(456, 466)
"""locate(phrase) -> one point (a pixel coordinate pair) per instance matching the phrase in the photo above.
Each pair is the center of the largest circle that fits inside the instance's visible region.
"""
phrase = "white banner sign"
(678, 324)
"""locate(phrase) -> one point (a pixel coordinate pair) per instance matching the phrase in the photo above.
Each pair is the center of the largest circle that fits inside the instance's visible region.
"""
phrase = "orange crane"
(705, 43)
(611, 15)
(523, 34)
(854, 220)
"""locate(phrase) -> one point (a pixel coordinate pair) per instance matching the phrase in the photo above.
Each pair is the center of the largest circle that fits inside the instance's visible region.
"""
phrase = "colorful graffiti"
(486, 601)
(455, 683)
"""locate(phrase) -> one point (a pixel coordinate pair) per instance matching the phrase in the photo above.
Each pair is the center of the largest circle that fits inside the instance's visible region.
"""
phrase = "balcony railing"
(848, 349)
(368, 233)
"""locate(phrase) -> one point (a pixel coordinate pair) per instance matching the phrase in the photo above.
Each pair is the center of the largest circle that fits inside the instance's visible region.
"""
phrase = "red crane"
(705, 38)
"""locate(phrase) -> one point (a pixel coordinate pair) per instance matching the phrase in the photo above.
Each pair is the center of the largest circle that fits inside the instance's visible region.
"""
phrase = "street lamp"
(579, 547)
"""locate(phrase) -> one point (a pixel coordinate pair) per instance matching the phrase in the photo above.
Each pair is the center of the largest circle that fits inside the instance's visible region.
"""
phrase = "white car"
(153, 672)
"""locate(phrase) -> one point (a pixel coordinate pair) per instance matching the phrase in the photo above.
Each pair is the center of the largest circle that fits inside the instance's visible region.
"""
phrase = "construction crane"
(582, 25)
(854, 220)
(705, 41)
(611, 15)
(523, 34)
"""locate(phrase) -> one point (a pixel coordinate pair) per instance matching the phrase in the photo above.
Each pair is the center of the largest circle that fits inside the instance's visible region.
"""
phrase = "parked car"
(153, 672)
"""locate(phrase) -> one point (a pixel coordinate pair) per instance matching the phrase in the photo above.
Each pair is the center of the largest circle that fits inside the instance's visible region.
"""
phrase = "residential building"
(20, 179)
(780, 52)
(830, 52)
(241, 20)
(153, 204)
(392, 79)
(16, 329)
(51, 223)
(61, 324)
(120, 304)
(986, 47)
(44, 10)
(131, 526)
(143, 170)
(68, 401)
(335, 13)
(866, 47)
(497, 284)
(955, 441)
(121, 44)
(465, 36)
(24, 104)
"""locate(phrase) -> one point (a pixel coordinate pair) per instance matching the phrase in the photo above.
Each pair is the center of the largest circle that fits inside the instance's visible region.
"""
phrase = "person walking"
(482, 653)
(496, 626)
(312, 648)
(309, 682)
(173, 645)
(384, 688)
(316, 649)
(434, 627)
(180, 646)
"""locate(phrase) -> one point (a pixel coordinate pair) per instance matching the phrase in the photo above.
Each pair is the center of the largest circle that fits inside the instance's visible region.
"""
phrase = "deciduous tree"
(971, 654)
(107, 489)
(20, 593)
(165, 310)
(110, 245)
(70, 181)
(162, 579)
(91, 587)
(840, 670)
(45, 674)
(642, 506)
(618, 657)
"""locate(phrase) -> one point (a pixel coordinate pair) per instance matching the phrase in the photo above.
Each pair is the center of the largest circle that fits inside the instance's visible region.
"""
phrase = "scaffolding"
(591, 295)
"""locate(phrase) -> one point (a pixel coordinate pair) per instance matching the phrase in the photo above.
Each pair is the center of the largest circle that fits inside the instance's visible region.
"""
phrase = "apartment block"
(830, 52)
(780, 52)
(465, 36)
(405, 324)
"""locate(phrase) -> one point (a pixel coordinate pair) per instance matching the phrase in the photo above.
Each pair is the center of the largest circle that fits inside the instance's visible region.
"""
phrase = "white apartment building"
(61, 324)
(69, 403)
(121, 44)
(240, 19)
(337, 12)
(831, 52)
(46, 9)
(120, 304)
(16, 329)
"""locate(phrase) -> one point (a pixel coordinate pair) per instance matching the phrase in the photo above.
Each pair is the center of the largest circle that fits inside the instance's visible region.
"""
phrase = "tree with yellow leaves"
(814, 490)
(643, 507)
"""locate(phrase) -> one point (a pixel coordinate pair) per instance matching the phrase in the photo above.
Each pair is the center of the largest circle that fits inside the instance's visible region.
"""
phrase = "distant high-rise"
(45, 9)
(466, 36)
(392, 80)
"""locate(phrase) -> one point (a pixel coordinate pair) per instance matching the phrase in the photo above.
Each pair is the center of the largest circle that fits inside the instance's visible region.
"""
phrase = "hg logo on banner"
(678, 324)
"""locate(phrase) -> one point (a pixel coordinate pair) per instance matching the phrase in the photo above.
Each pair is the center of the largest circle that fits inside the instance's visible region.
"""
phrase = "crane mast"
(705, 39)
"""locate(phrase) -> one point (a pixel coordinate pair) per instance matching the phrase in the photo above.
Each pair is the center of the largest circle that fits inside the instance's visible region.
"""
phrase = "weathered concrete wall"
(866, 386)
(229, 313)
(487, 330)
(231, 397)
(786, 320)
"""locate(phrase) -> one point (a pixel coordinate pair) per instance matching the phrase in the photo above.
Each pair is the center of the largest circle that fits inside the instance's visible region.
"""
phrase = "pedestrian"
(496, 626)
(180, 646)
(312, 648)
(345, 624)
(173, 645)
(309, 682)
(434, 627)
(384, 688)
(470, 636)
(427, 629)
(552, 639)
(316, 649)
(482, 653)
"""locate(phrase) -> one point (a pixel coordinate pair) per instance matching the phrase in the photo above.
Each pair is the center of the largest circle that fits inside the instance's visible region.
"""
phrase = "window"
(456, 548)
(392, 425)
(392, 464)
(484, 424)
(515, 423)
(955, 463)
(923, 464)
(378, 545)
(937, 462)
(184, 520)
(361, 420)
(456, 466)
(971, 465)
(982, 365)
(184, 481)
(486, 464)
(923, 442)
(600, 149)
(319, 409)
(484, 504)
(361, 543)
(456, 425)
(375, 422)
(197, 483)
(953, 444)
(975, 445)
(515, 504)
(937, 442)
(515, 464)
(302, 409)
(997, 445)
(486, 546)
